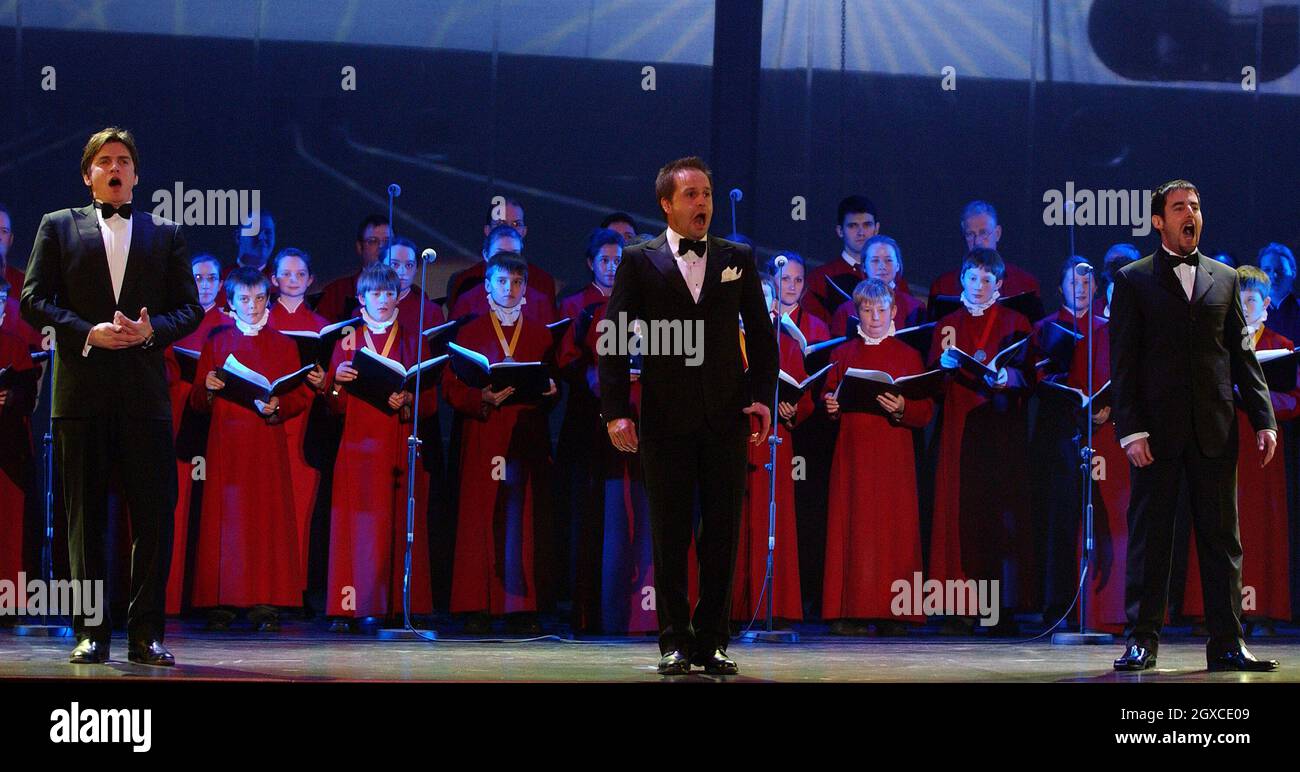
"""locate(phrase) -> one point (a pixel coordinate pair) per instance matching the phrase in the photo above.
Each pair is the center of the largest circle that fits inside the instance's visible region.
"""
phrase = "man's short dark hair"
(510, 262)
(103, 137)
(370, 221)
(601, 237)
(614, 217)
(854, 205)
(984, 259)
(1159, 195)
(290, 252)
(501, 232)
(243, 276)
(205, 257)
(666, 180)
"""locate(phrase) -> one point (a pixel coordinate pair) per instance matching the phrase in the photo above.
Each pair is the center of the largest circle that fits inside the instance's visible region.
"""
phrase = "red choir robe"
(751, 554)
(338, 301)
(579, 511)
(813, 328)
(910, 312)
(13, 322)
(471, 278)
(186, 425)
(368, 506)
(304, 477)
(982, 528)
(248, 532)
(821, 298)
(1110, 472)
(1015, 281)
(501, 560)
(15, 454)
(538, 307)
(408, 311)
(873, 529)
(1261, 512)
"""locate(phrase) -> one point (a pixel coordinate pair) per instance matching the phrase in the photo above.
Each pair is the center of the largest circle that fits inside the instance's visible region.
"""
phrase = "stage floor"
(303, 653)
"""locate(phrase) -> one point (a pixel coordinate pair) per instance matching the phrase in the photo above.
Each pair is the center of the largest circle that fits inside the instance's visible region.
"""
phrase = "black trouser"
(140, 454)
(676, 469)
(1212, 488)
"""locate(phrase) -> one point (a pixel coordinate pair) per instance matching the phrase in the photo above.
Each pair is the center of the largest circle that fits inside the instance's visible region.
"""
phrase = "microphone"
(429, 255)
(780, 261)
(1083, 269)
(736, 194)
(394, 190)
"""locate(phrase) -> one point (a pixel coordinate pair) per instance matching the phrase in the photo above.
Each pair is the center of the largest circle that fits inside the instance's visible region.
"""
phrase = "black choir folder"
(245, 385)
(859, 388)
(379, 377)
(977, 368)
(316, 348)
(1099, 400)
(1279, 367)
(188, 359)
(1058, 341)
(12, 376)
(530, 379)
(792, 389)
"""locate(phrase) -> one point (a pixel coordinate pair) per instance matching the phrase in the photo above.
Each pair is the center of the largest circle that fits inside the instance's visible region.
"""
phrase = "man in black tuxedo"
(91, 267)
(695, 405)
(1176, 350)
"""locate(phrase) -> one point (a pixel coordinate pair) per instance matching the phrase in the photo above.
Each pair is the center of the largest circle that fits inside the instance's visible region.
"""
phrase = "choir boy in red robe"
(368, 506)
(248, 533)
(289, 311)
(190, 428)
(873, 530)
(1059, 434)
(1261, 493)
(472, 300)
(751, 555)
(16, 403)
(884, 260)
(981, 527)
(582, 439)
(507, 215)
(501, 564)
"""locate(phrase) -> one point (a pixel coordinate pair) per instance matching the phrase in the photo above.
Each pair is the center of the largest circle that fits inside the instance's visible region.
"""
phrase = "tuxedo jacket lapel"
(92, 246)
(714, 261)
(662, 257)
(1204, 278)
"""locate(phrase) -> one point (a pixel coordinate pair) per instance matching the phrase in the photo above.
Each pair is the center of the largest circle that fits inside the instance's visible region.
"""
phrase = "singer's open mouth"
(115, 183)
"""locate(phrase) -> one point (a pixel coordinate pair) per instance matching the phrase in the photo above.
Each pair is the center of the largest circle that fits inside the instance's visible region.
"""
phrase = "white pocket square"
(731, 274)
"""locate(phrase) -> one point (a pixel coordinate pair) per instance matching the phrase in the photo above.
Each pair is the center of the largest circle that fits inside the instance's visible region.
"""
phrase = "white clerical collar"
(870, 341)
(507, 316)
(675, 239)
(255, 327)
(374, 325)
(978, 309)
(848, 258)
(285, 301)
(604, 292)
(209, 306)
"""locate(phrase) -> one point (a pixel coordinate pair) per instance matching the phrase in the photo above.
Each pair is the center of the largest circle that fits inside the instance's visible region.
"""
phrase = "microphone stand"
(413, 442)
(1083, 637)
(45, 628)
(768, 635)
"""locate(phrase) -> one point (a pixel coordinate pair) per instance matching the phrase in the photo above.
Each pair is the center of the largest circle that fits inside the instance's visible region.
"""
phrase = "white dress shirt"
(691, 265)
(116, 233)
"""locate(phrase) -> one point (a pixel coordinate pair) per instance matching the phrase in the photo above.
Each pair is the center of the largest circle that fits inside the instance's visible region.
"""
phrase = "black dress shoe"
(1136, 657)
(150, 653)
(674, 663)
(716, 662)
(89, 652)
(1240, 660)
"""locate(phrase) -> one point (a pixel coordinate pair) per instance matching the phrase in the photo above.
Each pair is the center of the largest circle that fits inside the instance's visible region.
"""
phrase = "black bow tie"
(1194, 259)
(108, 210)
(686, 245)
